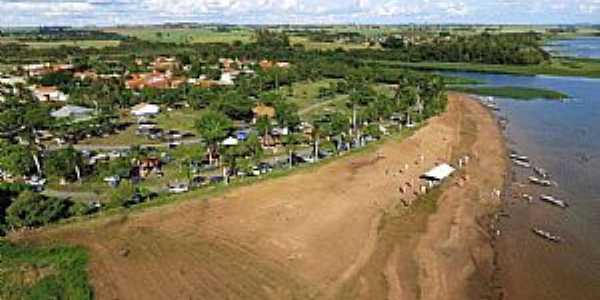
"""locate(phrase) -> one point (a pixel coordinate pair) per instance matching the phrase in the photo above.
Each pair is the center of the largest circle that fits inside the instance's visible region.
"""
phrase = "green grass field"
(557, 67)
(84, 44)
(520, 93)
(181, 119)
(184, 35)
(43, 272)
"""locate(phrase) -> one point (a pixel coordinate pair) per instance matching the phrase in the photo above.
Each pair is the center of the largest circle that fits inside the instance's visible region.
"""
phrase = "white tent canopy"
(439, 173)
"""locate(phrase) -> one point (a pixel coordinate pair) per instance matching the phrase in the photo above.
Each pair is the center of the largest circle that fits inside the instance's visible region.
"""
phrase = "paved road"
(81, 147)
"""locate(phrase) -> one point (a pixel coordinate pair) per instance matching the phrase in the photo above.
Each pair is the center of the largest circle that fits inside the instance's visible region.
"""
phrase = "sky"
(122, 12)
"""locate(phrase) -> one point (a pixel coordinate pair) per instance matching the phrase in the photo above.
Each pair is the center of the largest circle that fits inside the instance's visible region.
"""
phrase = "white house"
(49, 93)
(145, 109)
(11, 80)
(72, 111)
(226, 79)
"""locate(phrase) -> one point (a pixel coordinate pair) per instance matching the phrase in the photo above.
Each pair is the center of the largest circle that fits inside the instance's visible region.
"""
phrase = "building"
(145, 109)
(226, 79)
(49, 93)
(73, 112)
(263, 111)
(154, 80)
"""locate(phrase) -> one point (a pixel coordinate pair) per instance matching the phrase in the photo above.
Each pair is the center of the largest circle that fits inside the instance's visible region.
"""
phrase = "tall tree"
(213, 127)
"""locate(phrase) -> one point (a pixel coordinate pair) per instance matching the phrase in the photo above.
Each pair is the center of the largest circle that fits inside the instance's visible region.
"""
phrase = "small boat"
(518, 157)
(538, 181)
(521, 163)
(492, 106)
(541, 172)
(554, 201)
(546, 235)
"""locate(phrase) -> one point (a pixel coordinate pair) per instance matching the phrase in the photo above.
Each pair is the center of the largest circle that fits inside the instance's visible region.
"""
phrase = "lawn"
(306, 94)
(43, 272)
(126, 137)
(558, 66)
(180, 119)
(520, 93)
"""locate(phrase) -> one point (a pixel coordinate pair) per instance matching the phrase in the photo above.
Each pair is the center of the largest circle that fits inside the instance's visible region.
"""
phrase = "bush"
(32, 210)
(68, 278)
(121, 196)
(79, 209)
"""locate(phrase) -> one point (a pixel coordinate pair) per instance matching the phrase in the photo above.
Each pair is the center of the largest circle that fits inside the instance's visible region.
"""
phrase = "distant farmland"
(184, 35)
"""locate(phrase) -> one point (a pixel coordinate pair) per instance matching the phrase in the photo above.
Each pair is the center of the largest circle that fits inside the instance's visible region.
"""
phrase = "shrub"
(32, 210)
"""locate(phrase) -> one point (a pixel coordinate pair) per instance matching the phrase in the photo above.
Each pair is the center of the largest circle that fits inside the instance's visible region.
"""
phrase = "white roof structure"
(439, 173)
(230, 141)
(72, 111)
(145, 109)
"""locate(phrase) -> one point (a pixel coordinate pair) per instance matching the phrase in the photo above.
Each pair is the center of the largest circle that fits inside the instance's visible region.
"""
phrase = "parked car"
(217, 179)
(178, 188)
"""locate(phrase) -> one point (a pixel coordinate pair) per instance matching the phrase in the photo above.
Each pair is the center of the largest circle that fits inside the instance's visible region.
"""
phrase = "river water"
(563, 138)
(588, 47)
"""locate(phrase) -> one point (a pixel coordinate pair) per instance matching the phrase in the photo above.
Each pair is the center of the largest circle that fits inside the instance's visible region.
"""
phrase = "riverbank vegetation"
(43, 272)
(562, 66)
(514, 92)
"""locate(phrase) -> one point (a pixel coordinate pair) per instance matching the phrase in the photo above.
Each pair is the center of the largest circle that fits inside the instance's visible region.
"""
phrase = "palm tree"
(291, 142)
(213, 127)
(316, 135)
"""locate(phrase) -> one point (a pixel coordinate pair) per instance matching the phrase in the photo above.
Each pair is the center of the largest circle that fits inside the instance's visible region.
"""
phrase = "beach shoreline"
(340, 231)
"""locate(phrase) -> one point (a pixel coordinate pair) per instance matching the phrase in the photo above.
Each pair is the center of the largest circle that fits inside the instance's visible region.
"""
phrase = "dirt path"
(339, 231)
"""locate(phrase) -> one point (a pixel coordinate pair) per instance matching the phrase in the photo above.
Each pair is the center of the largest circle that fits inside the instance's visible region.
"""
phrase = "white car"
(178, 188)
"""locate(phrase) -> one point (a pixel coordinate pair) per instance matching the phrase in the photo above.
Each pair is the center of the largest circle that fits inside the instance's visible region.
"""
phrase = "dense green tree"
(286, 114)
(31, 210)
(64, 163)
(213, 127)
(16, 159)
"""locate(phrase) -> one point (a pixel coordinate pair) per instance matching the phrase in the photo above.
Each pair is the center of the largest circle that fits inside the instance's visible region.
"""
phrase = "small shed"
(439, 173)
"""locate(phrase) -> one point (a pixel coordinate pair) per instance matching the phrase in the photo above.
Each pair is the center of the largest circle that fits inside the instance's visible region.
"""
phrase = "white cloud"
(109, 12)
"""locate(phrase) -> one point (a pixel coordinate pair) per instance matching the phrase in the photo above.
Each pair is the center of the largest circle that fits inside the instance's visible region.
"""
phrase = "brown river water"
(563, 138)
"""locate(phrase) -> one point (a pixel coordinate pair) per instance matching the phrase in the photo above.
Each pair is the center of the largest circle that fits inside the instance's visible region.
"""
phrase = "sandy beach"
(340, 231)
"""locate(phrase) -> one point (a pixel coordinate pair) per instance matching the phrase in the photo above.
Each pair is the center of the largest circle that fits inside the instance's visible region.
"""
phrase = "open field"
(339, 231)
(558, 66)
(184, 35)
(79, 43)
(327, 46)
(514, 92)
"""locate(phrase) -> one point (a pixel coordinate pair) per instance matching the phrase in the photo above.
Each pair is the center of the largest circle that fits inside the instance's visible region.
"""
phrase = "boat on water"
(518, 157)
(521, 163)
(538, 181)
(492, 106)
(541, 172)
(546, 235)
(554, 201)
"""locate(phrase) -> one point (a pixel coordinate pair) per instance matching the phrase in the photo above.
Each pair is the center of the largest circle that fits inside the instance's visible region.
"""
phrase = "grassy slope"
(43, 273)
(522, 93)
